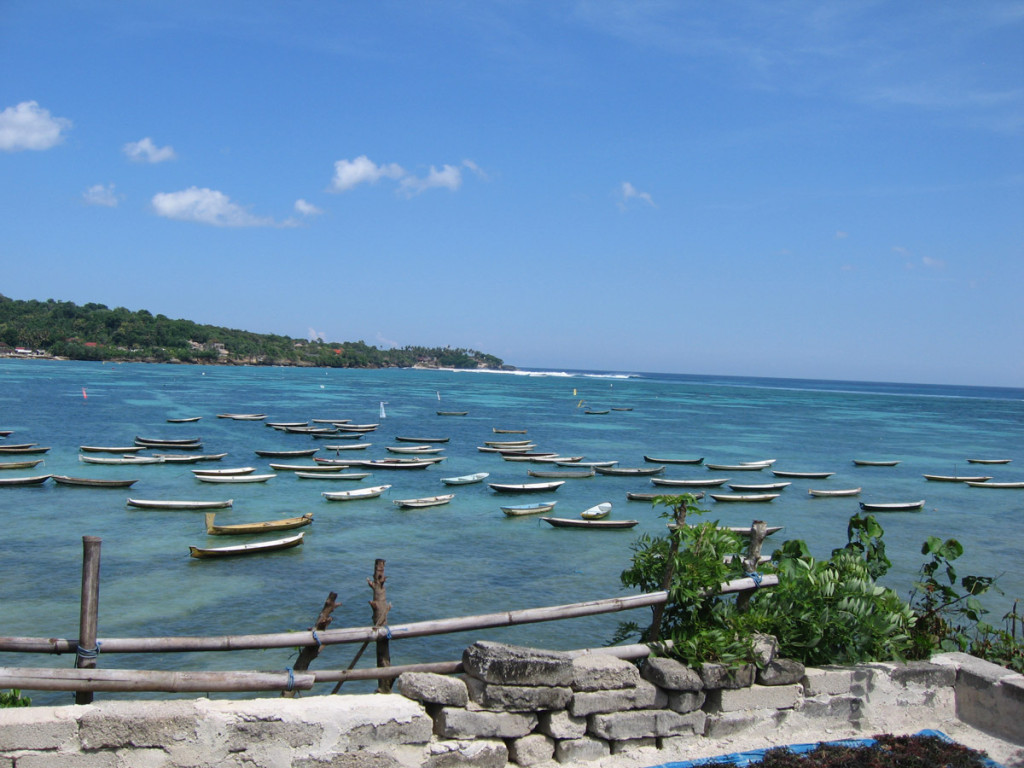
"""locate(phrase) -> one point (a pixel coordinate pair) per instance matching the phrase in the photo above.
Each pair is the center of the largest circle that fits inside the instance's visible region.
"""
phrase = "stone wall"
(523, 706)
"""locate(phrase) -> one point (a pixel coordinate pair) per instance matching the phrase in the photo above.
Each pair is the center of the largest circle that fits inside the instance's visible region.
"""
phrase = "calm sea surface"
(466, 557)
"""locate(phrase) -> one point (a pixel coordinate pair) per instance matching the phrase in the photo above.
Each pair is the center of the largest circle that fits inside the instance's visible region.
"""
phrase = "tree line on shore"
(96, 332)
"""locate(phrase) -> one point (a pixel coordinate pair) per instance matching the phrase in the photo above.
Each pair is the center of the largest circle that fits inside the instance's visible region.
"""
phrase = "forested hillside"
(96, 332)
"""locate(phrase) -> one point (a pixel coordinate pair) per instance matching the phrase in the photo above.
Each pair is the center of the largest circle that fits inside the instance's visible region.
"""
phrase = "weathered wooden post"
(670, 570)
(310, 652)
(88, 620)
(381, 606)
(751, 560)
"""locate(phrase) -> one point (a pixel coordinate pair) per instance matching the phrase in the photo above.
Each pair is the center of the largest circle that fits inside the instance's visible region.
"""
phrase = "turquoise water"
(466, 557)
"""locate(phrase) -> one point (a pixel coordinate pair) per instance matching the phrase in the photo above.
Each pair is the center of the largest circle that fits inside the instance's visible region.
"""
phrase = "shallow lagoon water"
(466, 557)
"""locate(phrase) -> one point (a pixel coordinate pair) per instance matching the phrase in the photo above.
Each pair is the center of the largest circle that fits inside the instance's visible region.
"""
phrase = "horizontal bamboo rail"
(121, 680)
(363, 634)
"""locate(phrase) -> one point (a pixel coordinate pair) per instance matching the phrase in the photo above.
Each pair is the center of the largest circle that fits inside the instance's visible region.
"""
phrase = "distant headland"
(63, 330)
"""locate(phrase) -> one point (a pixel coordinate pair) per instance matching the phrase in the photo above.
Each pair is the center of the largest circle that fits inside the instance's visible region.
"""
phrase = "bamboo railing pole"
(88, 680)
(88, 621)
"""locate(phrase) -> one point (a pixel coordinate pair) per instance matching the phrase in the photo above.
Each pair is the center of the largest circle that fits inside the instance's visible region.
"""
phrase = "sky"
(829, 190)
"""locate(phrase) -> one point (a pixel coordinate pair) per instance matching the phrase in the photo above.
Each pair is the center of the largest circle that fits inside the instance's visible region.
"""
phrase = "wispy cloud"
(629, 192)
(349, 174)
(29, 126)
(931, 263)
(205, 206)
(145, 151)
(306, 209)
(98, 194)
(448, 177)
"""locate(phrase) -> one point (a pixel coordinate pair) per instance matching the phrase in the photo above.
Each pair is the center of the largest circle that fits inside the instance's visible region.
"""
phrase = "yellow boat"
(284, 524)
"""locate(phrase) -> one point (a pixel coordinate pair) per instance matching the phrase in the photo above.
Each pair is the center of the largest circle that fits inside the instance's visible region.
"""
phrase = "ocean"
(466, 557)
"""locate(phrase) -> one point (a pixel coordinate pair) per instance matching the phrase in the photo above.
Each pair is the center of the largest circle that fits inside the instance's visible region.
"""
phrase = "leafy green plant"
(13, 698)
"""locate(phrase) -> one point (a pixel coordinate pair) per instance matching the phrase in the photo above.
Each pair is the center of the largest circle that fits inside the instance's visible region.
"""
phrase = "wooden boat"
(759, 463)
(592, 464)
(974, 484)
(303, 467)
(652, 496)
(247, 549)
(803, 475)
(285, 424)
(19, 446)
(452, 413)
(178, 504)
(120, 460)
(753, 467)
(228, 471)
(286, 454)
(6, 432)
(503, 451)
(415, 449)
(284, 524)
(476, 477)
(422, 439)
(429, 501)
(902, 506)
(235, 478)
(712, 483)
(189, 458)
(758, 487)
(751, 497)
(186, 420)
(335, 475)
(600, 525)
(342, 436)
(23, 449)
(37, 480)
(506, 443)
(112, 448)
(989, 461)
(398, 463)
(349, 447)
(93, 482)
(520, 510)
(958, 478)
(740, 530)
(529, 456)
(358, 493)
(565, 473)
(873, 463)
(337, 463)
(622, 408)
(315, 431)
(508, 431)
(630, 471)
(836, 492)
(560, 460)
(653, 460)
(526, 487)
(159, 442)
(242, 416)
(357, 427)
(335, 422)
(597, 512)
(20, 464)
(599, 412)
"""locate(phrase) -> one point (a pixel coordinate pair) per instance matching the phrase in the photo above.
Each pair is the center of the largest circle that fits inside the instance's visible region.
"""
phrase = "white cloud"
(145, 151)
(100, 195)
(449, 177)
(306, 209)
(29, 126)
(362, 170)
(629, 192)
(205, 206)
(933, 263)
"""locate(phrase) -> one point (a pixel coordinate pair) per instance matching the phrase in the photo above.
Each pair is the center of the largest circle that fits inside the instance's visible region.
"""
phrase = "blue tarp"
(748, 758)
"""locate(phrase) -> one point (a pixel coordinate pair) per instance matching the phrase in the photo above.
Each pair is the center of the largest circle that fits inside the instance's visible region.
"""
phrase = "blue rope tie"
(88, 653)
(291, 679)
(315, 637)
(756, 577)
(388, 630)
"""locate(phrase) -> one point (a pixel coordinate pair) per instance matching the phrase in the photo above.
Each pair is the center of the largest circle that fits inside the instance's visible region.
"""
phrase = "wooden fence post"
(310, 652)
(758, 531)
(381, 606)
(85, 657)
(670, 571)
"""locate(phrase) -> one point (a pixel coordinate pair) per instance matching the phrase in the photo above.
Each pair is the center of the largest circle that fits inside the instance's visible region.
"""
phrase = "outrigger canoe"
(358, 493)
(284, 524)
(430, 501)
(92, 482)
(235, 478)
(600, 525)
(712, 483)
(837, 492)
(526, 487)
(178, 504)
(247, 549)
(630, 471)
(901, 506)
(20, 464)
(37, 480)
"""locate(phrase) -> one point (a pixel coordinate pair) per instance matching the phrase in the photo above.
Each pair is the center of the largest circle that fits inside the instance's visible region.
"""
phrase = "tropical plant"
(13, 698)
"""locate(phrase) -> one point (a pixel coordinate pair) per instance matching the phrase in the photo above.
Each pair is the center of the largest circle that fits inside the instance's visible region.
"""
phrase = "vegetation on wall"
(96, 332)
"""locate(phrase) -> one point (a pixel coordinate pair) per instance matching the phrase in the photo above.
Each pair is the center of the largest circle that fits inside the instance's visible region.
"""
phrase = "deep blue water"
(466, 557)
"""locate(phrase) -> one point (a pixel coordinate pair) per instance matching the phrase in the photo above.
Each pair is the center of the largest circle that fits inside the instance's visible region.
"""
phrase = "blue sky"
(806, 189)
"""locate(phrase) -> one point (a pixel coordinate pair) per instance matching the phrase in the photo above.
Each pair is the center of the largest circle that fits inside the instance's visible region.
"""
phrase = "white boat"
(711, 483)
(235, 478)
(597, 512)
(836, 492)
(349, 447)
(413, 449)
(958, 478)
(247, 549)
(976, 484)
(607, 525)
(178, 504)
(476, 477)
(803, 475)
(758, 487)
(520, 510)
(358, 493)
(752, 497)
(429, 501)
(221, 472)
(752, 467)
(989, 461)
(121, 460)
(526, 487)
(336, 475)
(900, 506)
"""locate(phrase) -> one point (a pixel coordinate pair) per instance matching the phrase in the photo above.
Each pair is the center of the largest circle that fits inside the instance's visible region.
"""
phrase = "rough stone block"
(646, 723)
(115, 724)
(479, 753)
(515, 665)
(517, 698)
(685, 701)
(645, 696)
(781, 672)
(766, 648)
(990, 698)
(833, 681)
(755, 697)
(632, 745)
(728, 724)
(923, 673)
(670, 674)
(838, 708)
(715, 676)
(601, 672)
(431, 688)
(68, 760)
(561, 725)
(532, 749)
(578, 750)
(36, 728)
(359, 759)
(457, 723)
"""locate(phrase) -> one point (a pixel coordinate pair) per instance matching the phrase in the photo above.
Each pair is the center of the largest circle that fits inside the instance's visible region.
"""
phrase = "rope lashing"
(756, 577)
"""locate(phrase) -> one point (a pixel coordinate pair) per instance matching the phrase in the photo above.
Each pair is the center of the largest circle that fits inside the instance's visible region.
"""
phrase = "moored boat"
(750, 497)
(185, 420)
(335, 475)
(654, 460)
(349, 447)
(242, 416)
(358, 493)
(672, 483)
(803, 475)
(178, 504)
(989, 461)
(413, 449)
(23, 449)
(397, 463)
(958, 478)
(452, 413)
(160, 442)
(875, 463)
(646, 496)
(520, 510)
(598, 525)
(429, 501)
(597, 512)
(247, 549)
(120, 459)
(565, 473)
(235, 478)
(975, 484)
(111, 448)
(526, 487)
(35, 480)
(188, 458)
(630, 471)
(818, 492)
(476, 477)
(759, 487)
(751, 467)
(508, 431)
(422, 439)
(227, 471)
(901, 506)
(20, 464)
(93, 482)
(284, 524)
(267, 454)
